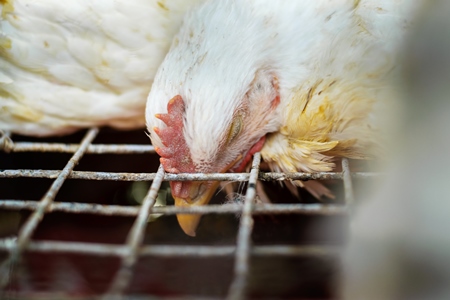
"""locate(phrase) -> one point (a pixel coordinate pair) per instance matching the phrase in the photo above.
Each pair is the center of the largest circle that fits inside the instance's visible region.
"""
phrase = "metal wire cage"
(142, 262)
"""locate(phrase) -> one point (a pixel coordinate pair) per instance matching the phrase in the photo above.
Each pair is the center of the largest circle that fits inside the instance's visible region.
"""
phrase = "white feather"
(225, 46)
(71, 64)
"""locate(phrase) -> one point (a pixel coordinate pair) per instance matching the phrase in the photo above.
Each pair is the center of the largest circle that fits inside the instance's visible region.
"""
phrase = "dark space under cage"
(73, 226)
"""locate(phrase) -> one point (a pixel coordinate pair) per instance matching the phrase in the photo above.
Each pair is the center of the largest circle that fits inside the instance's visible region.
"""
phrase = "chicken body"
(301, 81)
(66, 65)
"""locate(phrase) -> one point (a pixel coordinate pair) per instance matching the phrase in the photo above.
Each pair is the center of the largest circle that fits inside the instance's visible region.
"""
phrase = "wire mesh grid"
(134, 248)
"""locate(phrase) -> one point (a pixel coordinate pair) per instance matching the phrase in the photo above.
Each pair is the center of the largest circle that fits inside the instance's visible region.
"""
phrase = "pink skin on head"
(175, 156)
(256, 148)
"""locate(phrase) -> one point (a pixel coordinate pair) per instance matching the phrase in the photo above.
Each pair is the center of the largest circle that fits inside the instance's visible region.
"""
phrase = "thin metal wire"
(118, 210)
(241, 264)
(72, 148)
(268, 176)
(32, 222)
(66, 247)
(108, 250)
(134, 241)
(130, 252)
(348, 185)
(124, 176)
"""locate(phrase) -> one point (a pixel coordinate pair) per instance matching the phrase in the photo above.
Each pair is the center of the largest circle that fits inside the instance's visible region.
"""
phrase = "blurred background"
(400, 242)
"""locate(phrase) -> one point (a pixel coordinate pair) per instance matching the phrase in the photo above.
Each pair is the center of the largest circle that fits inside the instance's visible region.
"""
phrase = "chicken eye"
(235, 129)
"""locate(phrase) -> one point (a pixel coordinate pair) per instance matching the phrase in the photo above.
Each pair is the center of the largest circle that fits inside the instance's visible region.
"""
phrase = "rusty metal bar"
(72, 207)
(271, 176)
(32, 222)
(130, 252)
(108, 250)
(124, 176)
(118, 210)
(66, 247)
(134, 241)
(348, 185)
(268, 176)
(241, 265)
(72, 148)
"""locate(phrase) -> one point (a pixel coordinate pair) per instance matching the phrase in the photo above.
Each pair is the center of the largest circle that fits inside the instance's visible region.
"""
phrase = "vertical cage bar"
(32, 222)
(134, 241)
(348, 185)
(241, 266)
(5, 141)
(131, 252)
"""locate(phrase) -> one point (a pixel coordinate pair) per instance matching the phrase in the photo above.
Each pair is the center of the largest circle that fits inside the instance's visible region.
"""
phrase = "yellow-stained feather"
(329, 118)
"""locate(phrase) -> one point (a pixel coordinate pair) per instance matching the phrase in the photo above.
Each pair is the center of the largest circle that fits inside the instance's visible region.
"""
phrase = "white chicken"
(66, 65)
(301, 81)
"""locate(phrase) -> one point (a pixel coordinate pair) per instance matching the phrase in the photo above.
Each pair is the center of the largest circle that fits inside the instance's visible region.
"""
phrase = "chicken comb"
(175, 156)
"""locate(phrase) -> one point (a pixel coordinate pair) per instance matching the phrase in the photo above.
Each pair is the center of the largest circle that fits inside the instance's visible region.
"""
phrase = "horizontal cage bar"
(169, 250)
(74, 207)
(264, 176)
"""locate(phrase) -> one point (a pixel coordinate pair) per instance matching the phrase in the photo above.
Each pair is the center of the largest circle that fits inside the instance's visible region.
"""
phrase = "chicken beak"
(196, 193)
(203, 192)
